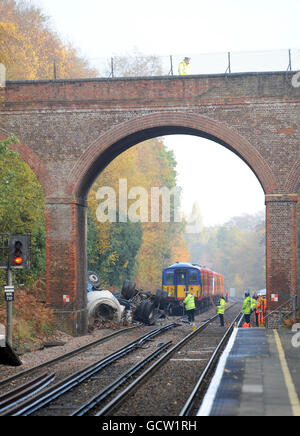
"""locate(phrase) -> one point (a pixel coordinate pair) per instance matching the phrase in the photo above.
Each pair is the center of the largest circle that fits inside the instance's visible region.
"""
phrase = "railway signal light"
(19, 251)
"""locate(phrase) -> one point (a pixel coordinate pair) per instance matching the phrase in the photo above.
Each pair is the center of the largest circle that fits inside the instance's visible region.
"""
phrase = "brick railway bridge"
(69, 130)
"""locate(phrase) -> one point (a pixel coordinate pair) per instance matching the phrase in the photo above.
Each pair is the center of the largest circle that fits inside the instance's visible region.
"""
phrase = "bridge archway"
(139, 129)
(71, 129)
(67, 221)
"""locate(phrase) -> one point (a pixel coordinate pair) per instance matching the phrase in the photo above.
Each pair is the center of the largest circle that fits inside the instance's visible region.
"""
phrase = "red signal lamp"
(18, 260)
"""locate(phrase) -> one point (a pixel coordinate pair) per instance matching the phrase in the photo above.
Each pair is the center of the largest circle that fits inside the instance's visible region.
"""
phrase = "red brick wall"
(281, 245)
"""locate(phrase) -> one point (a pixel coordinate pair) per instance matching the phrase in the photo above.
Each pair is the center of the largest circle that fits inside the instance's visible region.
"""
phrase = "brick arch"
(112, 143)
(33, 161)
(293, 179)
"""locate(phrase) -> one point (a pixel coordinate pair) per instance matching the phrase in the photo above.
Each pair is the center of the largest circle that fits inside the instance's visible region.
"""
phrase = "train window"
(203, 279)
(193, 278)
(180, 278)
(169, 278)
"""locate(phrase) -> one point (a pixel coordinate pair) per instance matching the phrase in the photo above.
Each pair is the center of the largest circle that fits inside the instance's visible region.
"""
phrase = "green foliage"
(4, 150)
(116, 264)
(92, 239)
(22, 207)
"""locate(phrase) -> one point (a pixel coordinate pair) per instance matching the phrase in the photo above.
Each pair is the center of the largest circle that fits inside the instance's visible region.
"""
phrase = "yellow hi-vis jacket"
(246, 308)
(183, 68)
(189, 302)
(221, 307)
(254, 304)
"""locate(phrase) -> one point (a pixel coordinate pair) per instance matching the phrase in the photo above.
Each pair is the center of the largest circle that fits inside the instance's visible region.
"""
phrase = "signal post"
(9, 298)
(19, 247)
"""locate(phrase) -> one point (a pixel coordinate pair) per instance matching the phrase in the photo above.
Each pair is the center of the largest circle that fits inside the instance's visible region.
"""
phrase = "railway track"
(17, 407)
(28, 372)
(193, 403)
(90, 391)
(164, 389)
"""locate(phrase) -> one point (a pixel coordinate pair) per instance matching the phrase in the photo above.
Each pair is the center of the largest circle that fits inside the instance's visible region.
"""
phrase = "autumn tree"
(29, 46)
(149, 246)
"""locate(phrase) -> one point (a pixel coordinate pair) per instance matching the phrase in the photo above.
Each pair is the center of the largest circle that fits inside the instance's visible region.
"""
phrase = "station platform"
(258, 375)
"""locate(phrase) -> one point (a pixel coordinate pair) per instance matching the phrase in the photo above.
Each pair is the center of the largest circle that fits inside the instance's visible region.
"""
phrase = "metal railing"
(206, 63)
(283, 312)
(146, 65)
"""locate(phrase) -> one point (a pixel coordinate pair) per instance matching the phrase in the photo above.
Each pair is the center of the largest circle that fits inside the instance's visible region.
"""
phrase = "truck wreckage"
(130, 305)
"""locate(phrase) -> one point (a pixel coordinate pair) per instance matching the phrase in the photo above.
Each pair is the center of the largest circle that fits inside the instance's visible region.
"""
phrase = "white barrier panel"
(2, 75)
(2, 335)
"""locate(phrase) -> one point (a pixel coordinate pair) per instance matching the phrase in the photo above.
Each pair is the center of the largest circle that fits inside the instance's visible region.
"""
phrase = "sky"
(163, 27)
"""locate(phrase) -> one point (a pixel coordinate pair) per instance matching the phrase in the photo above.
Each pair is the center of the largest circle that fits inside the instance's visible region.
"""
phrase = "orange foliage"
(30, 314)
(28, 46)
(180, 252)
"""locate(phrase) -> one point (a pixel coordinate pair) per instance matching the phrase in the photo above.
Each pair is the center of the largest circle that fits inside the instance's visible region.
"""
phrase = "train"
(206, 285)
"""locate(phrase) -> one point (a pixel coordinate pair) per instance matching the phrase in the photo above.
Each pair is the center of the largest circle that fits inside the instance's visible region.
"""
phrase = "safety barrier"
(138, 64)
(275, 318)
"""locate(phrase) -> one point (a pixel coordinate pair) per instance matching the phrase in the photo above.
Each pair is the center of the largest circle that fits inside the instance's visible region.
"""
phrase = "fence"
(275, 318)
(140, 65)
(209, 63)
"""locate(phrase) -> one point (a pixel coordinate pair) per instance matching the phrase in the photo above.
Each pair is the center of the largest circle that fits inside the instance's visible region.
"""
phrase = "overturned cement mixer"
(131, 305)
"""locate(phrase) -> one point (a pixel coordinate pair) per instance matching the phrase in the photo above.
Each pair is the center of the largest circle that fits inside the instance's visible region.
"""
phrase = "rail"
(191, 400)
(27, 372)
(132, 387)
(94, 401)
(20, 393)
(33, 404)
(115, 402)
(27, 407)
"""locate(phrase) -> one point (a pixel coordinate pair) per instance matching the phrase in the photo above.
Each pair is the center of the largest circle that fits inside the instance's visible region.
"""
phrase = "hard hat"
(187, 59)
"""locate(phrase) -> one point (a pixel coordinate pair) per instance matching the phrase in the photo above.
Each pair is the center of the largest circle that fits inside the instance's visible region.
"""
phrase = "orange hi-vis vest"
(261, 310)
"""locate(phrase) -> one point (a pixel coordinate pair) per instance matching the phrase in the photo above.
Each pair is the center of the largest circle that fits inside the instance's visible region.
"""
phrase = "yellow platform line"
(294, 400)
